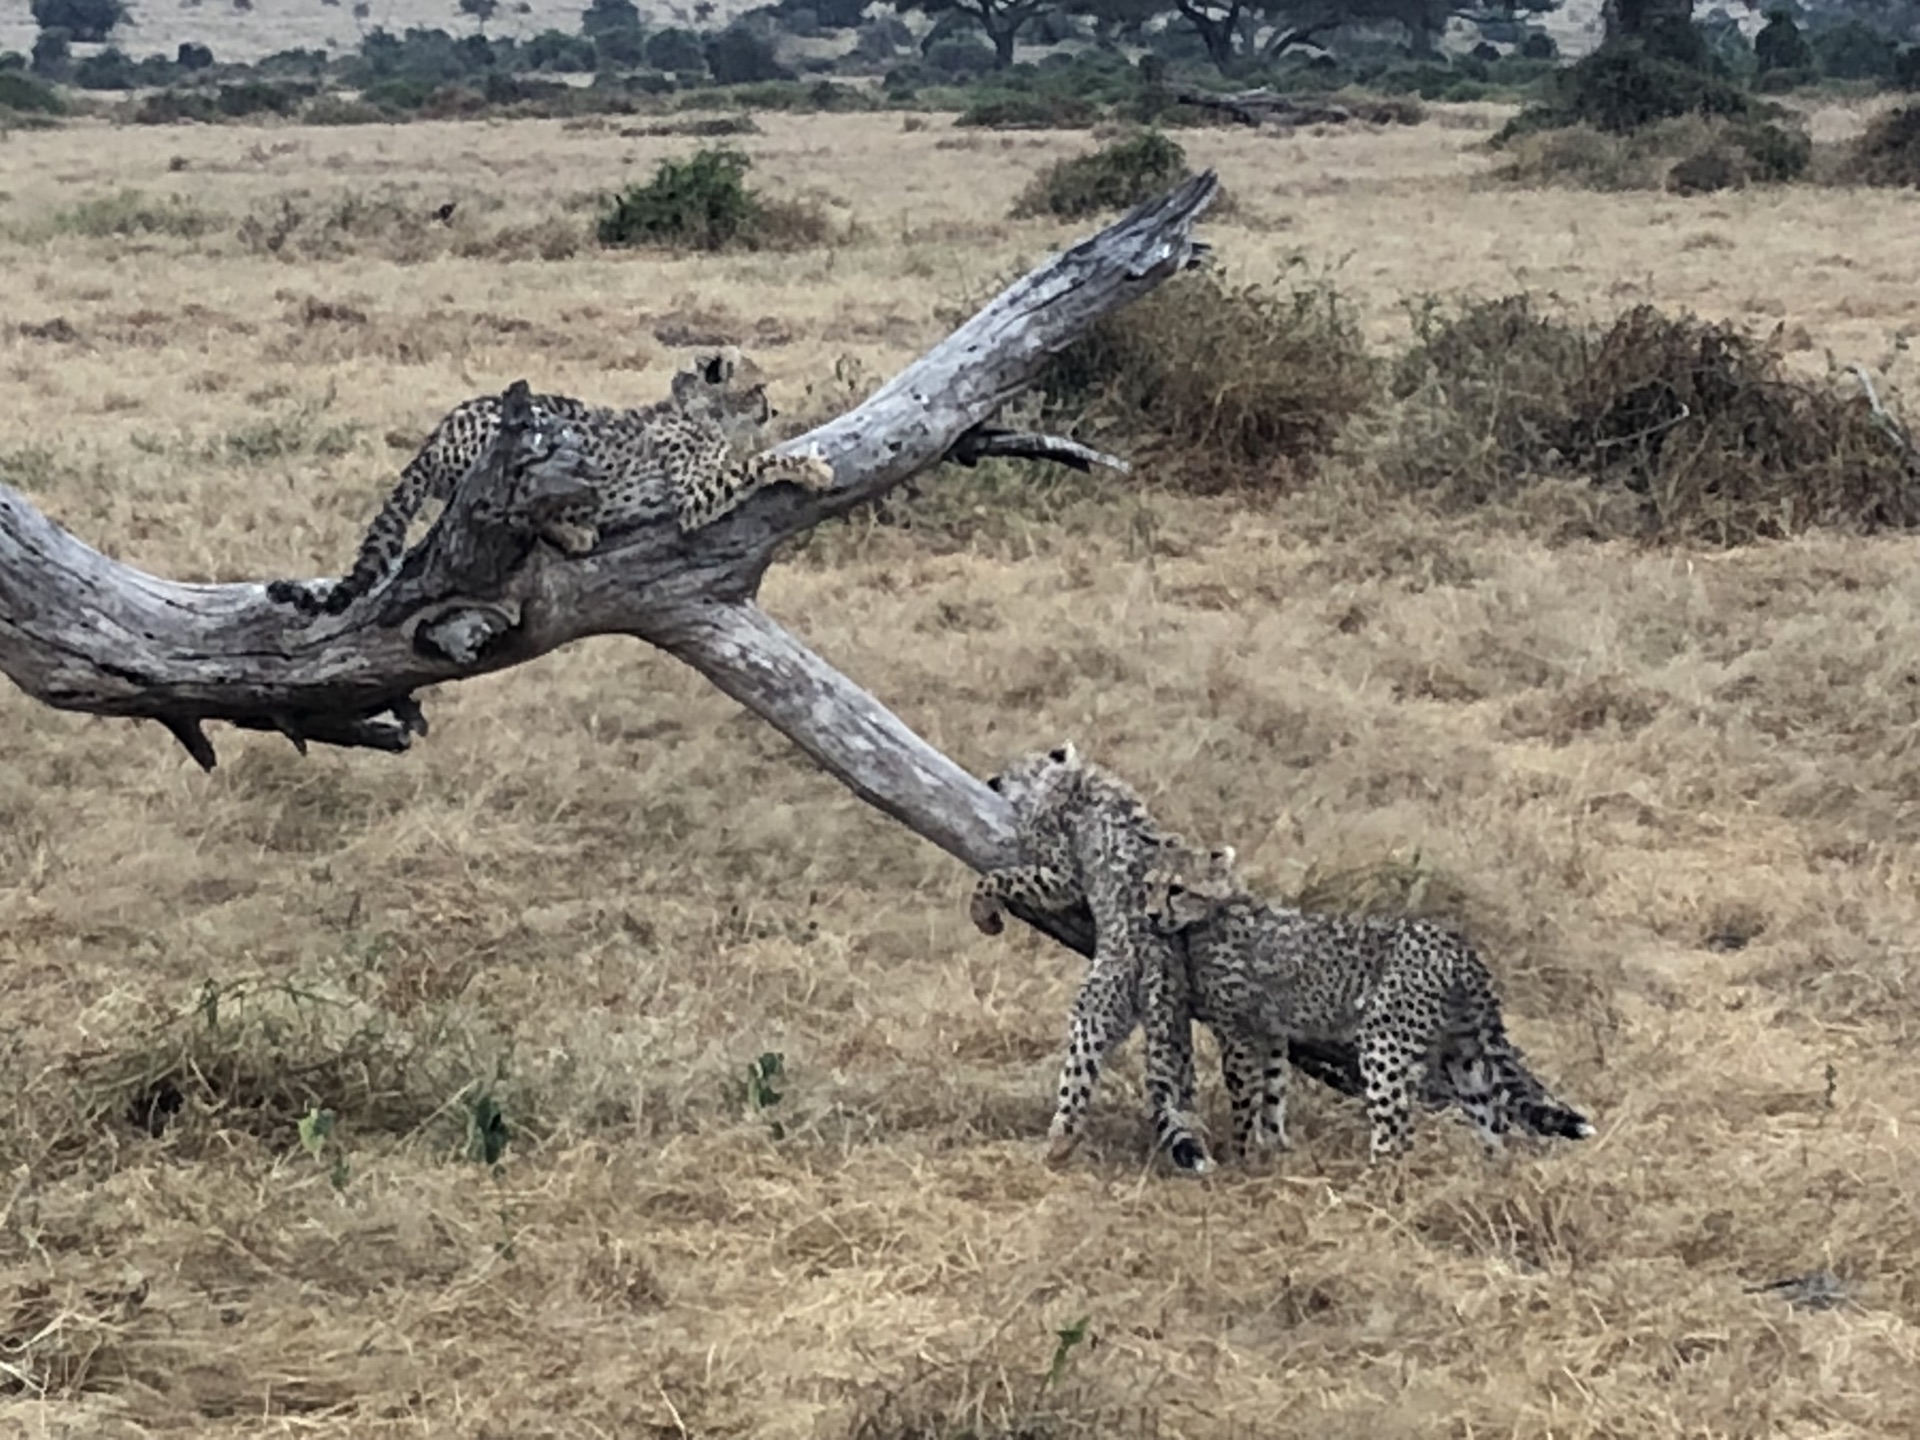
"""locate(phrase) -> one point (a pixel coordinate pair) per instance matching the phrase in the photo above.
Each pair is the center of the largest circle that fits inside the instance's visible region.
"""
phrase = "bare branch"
(1894, 431)
(987, 441)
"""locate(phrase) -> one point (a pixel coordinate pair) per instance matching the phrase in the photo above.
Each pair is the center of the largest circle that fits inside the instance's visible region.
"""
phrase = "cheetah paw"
(987, 916)
(1059, 1147)
(1188, 1156)
(572, 539)
(811, 469)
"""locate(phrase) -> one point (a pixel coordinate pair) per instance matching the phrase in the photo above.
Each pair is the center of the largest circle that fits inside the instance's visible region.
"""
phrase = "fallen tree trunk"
(79, 631)
(1264, 107)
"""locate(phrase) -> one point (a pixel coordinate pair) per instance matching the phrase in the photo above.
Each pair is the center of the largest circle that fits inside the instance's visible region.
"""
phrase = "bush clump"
(1227, 388)
(1888, 153)
(1689, 154)
(1113, 177)
(1694, 428)
(28, 96)
(1030, 112)
(704, 203)
(1620, 89)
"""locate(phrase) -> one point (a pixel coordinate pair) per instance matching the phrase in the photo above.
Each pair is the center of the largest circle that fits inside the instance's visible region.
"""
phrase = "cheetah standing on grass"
(1087, 835)
(690, 451)
(1415, 998)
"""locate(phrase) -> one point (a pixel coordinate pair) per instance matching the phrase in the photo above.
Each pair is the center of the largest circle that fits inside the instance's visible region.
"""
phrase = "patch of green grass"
(131, 212)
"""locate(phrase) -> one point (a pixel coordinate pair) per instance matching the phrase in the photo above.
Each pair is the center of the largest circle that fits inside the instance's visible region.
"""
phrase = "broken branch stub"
(79, 631)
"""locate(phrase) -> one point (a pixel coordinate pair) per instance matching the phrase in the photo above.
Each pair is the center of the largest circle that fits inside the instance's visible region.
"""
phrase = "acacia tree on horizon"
(1239, 34)
(1000, 20)
(89, 21)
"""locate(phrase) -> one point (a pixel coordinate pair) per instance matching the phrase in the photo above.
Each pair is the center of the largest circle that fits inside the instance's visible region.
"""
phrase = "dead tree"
(79, 631)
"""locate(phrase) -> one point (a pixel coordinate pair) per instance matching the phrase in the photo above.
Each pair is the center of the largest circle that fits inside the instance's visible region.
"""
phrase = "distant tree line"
(1802, 39)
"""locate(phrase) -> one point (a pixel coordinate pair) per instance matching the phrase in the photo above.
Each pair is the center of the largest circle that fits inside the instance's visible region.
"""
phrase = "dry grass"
(1676, 792)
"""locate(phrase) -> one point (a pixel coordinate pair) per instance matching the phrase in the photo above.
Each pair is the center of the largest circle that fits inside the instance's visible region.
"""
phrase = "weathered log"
(79, 631)
(1264, 107)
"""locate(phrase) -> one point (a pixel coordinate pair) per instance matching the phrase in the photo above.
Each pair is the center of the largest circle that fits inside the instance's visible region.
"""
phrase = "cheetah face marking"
(1188, 886)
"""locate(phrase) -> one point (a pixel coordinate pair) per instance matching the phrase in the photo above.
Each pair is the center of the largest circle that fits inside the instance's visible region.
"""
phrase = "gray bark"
(79, 631)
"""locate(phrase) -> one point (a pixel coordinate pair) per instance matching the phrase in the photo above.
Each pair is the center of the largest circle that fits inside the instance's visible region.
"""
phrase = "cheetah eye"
(1175, 890)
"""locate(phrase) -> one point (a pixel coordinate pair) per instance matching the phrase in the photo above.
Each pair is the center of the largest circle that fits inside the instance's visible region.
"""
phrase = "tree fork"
(79, 631)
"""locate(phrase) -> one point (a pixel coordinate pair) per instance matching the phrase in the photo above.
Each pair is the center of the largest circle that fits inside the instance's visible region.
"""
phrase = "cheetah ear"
(1224, 855)
(1067, 754)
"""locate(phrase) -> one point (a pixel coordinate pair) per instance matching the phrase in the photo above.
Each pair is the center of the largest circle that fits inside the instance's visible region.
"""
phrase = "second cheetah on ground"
(1415, 998)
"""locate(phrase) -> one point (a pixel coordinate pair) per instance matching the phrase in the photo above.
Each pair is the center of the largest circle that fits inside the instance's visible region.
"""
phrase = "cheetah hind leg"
(1270, 1125)
(1391, 1071)
(1479, 1094)
(1256, 1082)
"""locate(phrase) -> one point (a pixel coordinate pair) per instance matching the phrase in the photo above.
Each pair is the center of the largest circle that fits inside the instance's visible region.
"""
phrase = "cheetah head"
(714, 387)
(1030, 775)
(1185, 886)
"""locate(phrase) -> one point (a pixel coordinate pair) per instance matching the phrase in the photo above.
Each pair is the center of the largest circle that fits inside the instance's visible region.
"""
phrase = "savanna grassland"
(527, 970)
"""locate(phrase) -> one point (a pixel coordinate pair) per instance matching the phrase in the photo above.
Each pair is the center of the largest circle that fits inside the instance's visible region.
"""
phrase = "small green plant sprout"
(1066, 1342)
(759, 1090)
(316, 1128)
(487, 1130)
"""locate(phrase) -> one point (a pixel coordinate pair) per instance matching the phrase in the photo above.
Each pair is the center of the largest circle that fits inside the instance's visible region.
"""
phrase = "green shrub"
(1774, 153)
(107, 70)
(558, 51)
(1906, 69)
(1620, 89)
(1704, 173)
(737, 56)
(1226, 388)
(676, 51)
(1690, 430)
(1689, 153)
(704, 203)
(1888, 153)
(172, 107)
(337, 110)
(28, 96)
(1853, 51)
(1031, 112)
(1780, 45)
(52, 55)
(1112, 178)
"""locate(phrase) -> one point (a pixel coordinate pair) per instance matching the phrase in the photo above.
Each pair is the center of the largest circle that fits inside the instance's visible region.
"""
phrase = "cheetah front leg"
(1102, 1018)
(1166, 1017)
(702, 506)
(1040, 887)
(1256, 1079)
